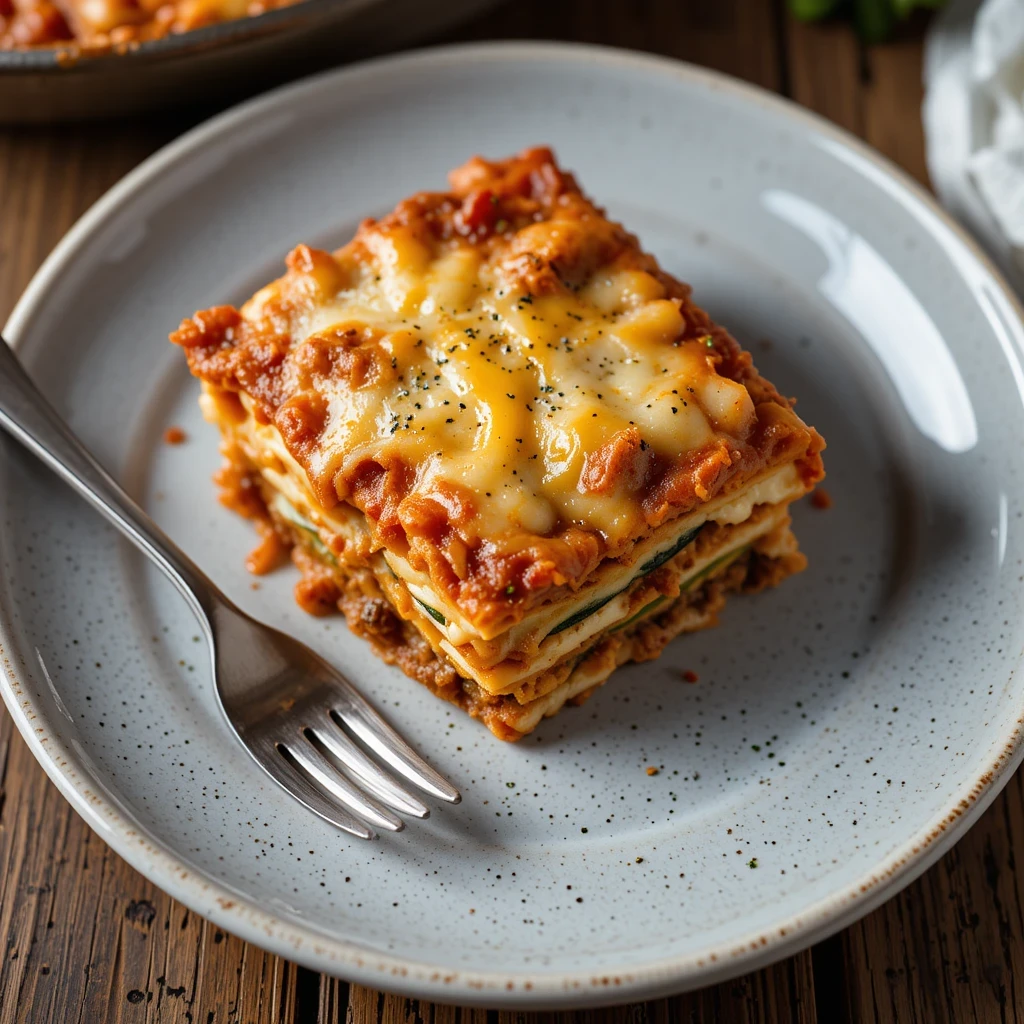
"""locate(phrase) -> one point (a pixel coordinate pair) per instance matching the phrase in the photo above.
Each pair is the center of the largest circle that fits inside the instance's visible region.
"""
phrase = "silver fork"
(298, 717)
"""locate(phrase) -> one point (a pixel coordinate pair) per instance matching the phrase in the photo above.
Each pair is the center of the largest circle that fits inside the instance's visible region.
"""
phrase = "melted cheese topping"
(503, 384)
(507, 394)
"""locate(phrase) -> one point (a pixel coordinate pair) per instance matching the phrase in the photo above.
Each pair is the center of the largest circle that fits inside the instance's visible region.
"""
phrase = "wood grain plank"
(739, 37)
(875, 92)
(893, 92)
(48, 178)
(368, 1006)
(824, 72)
(333, 1000)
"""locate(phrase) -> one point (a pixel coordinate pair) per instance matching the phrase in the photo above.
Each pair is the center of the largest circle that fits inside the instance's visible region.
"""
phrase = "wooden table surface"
(90, 941)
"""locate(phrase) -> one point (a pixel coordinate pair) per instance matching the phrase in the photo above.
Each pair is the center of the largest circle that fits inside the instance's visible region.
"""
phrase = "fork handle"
(29, 418)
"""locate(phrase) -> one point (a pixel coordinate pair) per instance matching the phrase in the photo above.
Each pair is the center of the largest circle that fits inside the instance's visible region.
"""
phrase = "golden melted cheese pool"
(505, 394)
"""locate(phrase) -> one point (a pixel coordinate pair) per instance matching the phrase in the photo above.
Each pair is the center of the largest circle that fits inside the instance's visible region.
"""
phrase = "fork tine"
(296, 784)
(368, 773)
(375, 732)
(339, 786)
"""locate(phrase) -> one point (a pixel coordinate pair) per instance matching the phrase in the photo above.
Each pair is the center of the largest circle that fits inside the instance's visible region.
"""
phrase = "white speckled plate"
(847, 727)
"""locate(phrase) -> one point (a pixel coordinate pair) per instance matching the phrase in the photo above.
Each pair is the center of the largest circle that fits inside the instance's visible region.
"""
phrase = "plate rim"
(245, 917)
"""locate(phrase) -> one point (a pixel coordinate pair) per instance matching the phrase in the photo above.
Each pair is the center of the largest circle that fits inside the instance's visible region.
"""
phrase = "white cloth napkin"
(974, 121)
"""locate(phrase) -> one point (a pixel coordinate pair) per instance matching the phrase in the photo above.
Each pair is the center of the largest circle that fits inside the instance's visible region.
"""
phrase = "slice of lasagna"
(502, 441)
